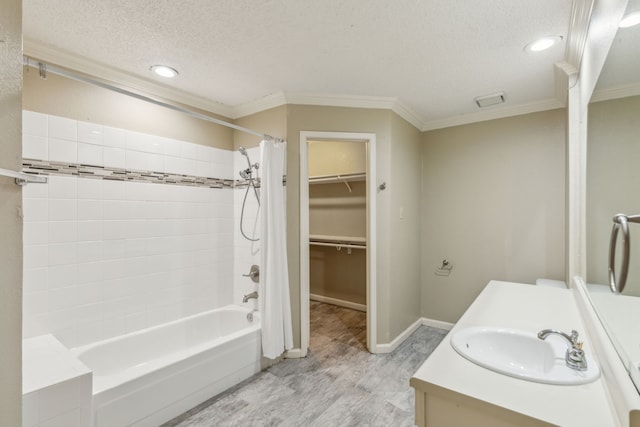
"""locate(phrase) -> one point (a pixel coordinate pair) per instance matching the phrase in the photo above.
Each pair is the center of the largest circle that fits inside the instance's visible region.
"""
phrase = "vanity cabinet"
(452, 391)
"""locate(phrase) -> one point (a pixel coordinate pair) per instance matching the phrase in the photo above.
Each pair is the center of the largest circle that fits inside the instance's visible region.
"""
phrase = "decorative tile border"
(40, 167)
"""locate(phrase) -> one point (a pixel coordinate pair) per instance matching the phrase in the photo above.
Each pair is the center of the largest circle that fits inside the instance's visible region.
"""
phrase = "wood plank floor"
(339, 383)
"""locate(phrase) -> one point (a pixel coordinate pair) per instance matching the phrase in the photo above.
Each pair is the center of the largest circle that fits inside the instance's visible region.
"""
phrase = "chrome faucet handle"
(574, 357)
(254, 274)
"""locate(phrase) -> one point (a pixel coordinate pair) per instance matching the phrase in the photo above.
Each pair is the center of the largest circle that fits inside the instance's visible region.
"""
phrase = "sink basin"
(521, 355)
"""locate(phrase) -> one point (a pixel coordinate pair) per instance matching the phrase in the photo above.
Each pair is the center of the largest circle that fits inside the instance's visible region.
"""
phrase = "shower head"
(242, 151)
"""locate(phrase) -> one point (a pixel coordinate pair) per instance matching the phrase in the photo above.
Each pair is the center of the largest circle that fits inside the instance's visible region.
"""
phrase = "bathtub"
(150, 376)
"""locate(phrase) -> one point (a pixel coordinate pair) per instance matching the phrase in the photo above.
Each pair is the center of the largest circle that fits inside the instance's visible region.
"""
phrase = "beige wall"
(336, 157)
(405, 285)
(612, 184)
(64, 97)
(334, 119)
(272, 122)
(338, 274)
(10, 216)
(493, 204)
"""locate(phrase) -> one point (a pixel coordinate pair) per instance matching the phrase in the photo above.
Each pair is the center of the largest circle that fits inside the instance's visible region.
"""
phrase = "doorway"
(346, 240)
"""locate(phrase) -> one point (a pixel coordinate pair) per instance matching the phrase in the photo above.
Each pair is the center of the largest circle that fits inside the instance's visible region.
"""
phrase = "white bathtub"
(148, 377)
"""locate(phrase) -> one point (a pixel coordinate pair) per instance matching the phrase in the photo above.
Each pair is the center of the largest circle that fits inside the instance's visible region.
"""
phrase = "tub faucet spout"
(252, 295)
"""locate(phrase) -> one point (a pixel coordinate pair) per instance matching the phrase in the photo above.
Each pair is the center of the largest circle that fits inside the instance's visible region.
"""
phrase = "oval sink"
(521, 355)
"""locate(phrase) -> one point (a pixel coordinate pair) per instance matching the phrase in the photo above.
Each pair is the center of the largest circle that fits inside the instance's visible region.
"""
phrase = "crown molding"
(617, 92)
(578, 29)
(270, 101)
(481, 116)
(81, 64)
(328, 100)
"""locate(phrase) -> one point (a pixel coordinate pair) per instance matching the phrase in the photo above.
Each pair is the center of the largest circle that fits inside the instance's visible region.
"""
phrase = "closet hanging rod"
(338, 245)
(23, 178)
(45, 68)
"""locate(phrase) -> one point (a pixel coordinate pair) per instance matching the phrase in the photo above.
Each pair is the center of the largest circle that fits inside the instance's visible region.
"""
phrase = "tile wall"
(104, 257)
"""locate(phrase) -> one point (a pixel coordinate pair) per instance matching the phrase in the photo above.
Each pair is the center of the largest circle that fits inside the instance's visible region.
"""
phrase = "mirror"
(613, 186)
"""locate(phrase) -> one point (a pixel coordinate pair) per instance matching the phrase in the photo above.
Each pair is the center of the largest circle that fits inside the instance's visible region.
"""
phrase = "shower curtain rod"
(44, 68)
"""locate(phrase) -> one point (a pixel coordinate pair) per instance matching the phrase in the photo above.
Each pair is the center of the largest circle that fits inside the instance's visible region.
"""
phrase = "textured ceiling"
(622, 67)
(435, 56)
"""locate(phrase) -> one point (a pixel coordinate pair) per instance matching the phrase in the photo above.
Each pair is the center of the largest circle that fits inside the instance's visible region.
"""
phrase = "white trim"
(370, 138)
(268, 102)
(338, 302)
(498, 113)
(438, 324)
(616, 92)
(388, 348)
(294, 353)
(103, 71)
(578, 29)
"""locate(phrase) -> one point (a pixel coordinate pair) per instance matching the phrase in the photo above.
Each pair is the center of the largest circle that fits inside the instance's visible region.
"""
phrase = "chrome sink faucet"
(574, 357)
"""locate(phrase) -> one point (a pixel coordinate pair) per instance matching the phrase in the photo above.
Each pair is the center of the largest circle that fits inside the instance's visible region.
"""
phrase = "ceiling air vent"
(489, 100)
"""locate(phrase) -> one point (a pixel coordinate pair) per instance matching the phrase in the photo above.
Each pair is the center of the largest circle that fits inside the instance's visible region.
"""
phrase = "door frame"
(370, 139)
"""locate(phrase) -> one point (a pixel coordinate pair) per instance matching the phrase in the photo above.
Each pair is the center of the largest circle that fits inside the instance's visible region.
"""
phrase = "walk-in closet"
(338, 224)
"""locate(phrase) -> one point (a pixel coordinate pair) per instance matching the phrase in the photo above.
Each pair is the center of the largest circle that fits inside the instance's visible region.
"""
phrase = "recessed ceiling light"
(630, 20)
(543, 43)
(164, 71)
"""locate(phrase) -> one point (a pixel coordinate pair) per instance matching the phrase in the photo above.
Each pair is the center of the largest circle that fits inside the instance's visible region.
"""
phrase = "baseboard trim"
(338, 302)
(388, 348)
(294, 353)
(437, 324)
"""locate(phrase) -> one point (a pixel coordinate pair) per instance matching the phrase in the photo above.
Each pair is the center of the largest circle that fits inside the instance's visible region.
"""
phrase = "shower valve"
(254, 273)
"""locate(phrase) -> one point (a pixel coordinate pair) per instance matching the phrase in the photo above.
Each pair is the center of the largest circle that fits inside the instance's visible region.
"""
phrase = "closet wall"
(337, 222)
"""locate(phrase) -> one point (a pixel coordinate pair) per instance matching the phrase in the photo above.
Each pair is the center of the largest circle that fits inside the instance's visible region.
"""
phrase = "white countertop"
(528, 308)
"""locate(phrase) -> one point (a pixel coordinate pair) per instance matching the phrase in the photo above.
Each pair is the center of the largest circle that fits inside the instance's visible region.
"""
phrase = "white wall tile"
(156, 162)
(173, 165)
(189, 167)
(173, 147)
(89, 154)
(63, 232)
(114, 137)
(37, 233)
(35, 256)
(35, 191)
(63, 253)
(89, 230)
(63, 128)
(34, 123)
(35, 279)
(89, 209)
(63, 210)
(63, 187)
(189, 151)
(90, 189)
(35, 147)
(90, 133)
(149, 247)
(136, 160)
(114, 157)
(61, 276)
(64, 151)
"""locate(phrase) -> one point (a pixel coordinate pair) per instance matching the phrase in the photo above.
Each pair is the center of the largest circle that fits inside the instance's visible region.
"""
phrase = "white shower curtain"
(274, 300)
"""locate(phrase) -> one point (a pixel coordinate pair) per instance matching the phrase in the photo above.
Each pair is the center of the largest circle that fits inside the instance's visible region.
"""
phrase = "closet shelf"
(325, 238)
(330, 179)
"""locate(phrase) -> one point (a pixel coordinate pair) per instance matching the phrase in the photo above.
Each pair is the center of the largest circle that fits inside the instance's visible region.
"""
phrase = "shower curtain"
(275, 307)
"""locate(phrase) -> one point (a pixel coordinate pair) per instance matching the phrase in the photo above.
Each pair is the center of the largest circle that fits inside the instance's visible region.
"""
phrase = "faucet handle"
(574, 337)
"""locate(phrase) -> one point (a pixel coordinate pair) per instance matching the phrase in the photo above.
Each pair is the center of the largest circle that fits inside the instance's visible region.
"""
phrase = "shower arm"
(620, 223)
